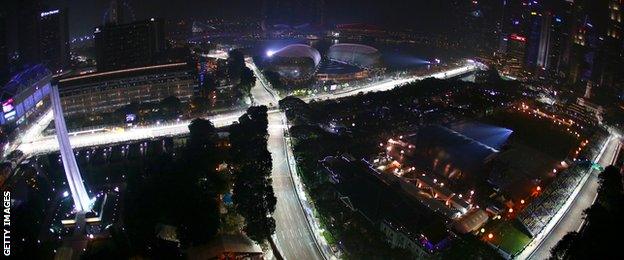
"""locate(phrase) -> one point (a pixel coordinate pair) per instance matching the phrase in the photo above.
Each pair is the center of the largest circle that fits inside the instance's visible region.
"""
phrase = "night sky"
(425, 15)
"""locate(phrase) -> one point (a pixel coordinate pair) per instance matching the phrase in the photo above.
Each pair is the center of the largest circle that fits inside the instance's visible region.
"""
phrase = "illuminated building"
(597, 42)
(107, 91)
(544, 41)
(54, 39)
(128, 45)
(514, 58)
(340, 73)
(295, 61)
(23, 97)
(355, 54)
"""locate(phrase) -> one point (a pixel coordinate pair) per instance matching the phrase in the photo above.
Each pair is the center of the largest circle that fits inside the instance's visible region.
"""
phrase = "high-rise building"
(543, 52)
(609, 65)
(128, 45)
(598, 47)
(28, 19)
(115, 12)
(537, 20)
(476, 24)
(557, 52)
(515, 55)
(54, 39)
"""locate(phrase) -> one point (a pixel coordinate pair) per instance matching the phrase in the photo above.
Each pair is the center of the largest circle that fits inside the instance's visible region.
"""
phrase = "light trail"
(89, 138)
(388, 85)
(86, 138)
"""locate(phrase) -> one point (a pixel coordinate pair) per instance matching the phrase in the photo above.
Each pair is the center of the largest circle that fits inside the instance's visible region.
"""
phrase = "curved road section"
(573, 219)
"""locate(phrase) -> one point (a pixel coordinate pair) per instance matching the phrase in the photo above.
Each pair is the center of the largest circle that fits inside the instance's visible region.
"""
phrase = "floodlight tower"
(82, 202)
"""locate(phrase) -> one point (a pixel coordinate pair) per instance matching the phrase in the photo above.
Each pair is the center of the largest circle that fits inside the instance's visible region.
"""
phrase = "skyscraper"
(115, 13)
(29, 13)
(128, 45)
(609, 20)
(543, 52)
(516, 54)
(476, 24)
(598, 47)
(560, 42)
(54, 36)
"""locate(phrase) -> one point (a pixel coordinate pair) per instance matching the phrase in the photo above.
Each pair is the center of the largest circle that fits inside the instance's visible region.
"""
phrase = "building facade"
(295, 61)
(28, 20)
(515, 55)
(359, 55)
(128, 45)
(54, 39)
(104, 92)
(24, 95)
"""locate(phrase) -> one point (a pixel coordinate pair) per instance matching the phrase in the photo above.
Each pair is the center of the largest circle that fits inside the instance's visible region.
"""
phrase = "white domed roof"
(299, 51)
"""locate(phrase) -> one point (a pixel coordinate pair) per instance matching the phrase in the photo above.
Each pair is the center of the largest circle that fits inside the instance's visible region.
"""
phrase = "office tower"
(128, 45)
(29, 14)
(544, 41)
(115, 13)
(54, 39)
(516, 55)
(597, 49)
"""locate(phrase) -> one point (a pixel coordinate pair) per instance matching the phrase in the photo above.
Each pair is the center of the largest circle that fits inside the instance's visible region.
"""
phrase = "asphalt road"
(293, 238)
(386, 85)
(573, 219)
(87, 139)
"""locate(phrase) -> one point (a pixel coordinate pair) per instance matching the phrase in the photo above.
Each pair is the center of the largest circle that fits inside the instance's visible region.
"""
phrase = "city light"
(329, 98)
(44, 14)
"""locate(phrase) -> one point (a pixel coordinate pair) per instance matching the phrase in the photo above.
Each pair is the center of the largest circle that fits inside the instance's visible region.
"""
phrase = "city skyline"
(312, 129)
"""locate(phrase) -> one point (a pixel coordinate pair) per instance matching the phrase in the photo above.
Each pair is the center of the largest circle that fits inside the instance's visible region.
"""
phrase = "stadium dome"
(355, 54)
(295, 61)
(299, 51)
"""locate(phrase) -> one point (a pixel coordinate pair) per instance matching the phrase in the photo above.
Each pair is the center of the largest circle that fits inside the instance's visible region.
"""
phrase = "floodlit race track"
(390, 84)
(105, 136)
(262, 96)
(571, 219)
(297, 234)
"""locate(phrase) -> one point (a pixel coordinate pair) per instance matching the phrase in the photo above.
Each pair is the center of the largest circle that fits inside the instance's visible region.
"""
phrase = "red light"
(519, 38)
